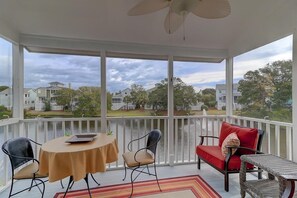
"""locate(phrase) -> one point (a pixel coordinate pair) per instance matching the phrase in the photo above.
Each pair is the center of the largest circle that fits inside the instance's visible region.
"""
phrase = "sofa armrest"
(245, 148)
(206, 136)
(229, 154)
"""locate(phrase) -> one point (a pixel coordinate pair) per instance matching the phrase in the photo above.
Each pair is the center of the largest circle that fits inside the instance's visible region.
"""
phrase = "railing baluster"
(88, 126)
(55, 129)
(45, 125)
(5, 158)
(289, 143)
(268, 137)
(182, 140)
(124, 135)
(165, 141)
(64, 127)
(206, 129)
(176, 140)
(277, 140)
(189, 134)
(80, 126)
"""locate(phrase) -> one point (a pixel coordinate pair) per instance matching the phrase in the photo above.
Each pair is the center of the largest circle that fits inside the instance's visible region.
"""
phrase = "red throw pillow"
(230, 140)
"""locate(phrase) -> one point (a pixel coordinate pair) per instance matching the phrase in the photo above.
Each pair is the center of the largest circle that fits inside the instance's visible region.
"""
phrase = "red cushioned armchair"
(250, 143)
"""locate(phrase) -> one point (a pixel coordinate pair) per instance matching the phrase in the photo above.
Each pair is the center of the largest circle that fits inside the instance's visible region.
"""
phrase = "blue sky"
(40, 69)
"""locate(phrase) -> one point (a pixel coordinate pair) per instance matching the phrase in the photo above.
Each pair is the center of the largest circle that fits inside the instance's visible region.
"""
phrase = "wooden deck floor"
(210, 175)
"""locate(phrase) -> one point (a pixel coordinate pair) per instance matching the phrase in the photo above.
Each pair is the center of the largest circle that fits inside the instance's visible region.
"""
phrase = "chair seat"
(213, 155)
(142, 157)
(28, 171)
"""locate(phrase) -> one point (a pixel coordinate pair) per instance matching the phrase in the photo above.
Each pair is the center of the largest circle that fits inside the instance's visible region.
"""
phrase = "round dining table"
(59, 159)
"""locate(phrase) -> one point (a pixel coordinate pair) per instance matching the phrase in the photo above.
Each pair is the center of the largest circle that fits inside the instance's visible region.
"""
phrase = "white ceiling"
(251, 24)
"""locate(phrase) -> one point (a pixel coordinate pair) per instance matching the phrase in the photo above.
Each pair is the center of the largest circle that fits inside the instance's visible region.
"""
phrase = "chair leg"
(226, 182)
(11, 186)
(125, 172)
(132, 180)
(43, 185)
(148, 170)
(157, 177)
(259, 174)
(31, 184)
(198, 163)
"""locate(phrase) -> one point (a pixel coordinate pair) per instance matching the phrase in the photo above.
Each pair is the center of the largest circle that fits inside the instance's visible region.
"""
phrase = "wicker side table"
(284, 170)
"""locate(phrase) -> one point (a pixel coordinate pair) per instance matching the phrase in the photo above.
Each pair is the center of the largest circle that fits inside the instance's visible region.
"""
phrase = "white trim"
(92, 47)
(229, 87)
(294, 95)
(103, 92)
(170, 107)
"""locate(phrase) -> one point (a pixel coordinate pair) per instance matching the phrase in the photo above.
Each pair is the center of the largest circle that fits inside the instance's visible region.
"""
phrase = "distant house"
(6, 98)
(221, 96)
(118, 100)
(48, 94)
(29, 98)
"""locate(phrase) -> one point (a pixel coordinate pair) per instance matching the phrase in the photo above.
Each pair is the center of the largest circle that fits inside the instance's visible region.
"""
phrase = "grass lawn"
(33, 114)
(119, 113)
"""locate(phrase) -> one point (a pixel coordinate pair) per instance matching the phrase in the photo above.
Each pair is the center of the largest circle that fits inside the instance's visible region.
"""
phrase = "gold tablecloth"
(59, 159)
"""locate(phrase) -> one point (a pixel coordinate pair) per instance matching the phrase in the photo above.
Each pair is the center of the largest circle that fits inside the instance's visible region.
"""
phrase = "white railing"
(8, 130)
(277, 140)
(278, 135)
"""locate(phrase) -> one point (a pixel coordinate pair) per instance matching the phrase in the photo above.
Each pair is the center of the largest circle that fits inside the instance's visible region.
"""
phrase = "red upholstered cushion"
(213, 155)
(248, 136)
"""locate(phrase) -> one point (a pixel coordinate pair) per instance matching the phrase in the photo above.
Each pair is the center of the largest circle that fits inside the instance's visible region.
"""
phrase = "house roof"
(88, 26)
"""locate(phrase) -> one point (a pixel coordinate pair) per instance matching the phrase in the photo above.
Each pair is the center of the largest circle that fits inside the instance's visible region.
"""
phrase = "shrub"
(204, 107)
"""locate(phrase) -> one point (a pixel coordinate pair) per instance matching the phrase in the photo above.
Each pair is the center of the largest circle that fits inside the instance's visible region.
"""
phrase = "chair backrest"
(20, 147)
(153, 139)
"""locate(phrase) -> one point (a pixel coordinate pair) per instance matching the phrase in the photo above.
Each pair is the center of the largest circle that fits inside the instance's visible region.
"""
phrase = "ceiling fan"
(179, 9)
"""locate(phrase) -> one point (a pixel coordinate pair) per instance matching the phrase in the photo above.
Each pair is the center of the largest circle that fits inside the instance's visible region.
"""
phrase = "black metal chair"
(21, 156)
(143, 157)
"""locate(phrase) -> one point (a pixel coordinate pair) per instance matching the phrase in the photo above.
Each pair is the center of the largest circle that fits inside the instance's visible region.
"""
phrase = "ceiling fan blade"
(173, 21)
(211, 9)
(148, 6)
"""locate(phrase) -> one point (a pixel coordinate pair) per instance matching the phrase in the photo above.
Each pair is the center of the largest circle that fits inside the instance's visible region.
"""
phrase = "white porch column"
(103, 92)
(18, 84)
(170, 112)
(294, 95)
(229, 87)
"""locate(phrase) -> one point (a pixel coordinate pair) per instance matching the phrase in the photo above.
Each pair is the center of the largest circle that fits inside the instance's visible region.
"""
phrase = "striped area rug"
(185, 187)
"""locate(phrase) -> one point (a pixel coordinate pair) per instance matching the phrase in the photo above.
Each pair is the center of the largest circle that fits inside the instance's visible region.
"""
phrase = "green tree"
(138, 96)
(267, 90)
(65, 97)
(184, 95)
(88, 101)
(208, 97)
(127, 100)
